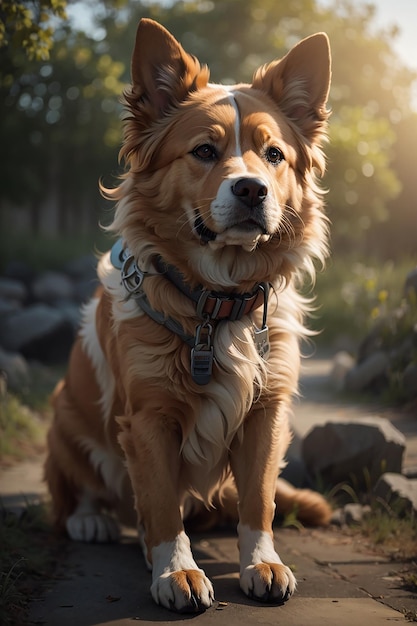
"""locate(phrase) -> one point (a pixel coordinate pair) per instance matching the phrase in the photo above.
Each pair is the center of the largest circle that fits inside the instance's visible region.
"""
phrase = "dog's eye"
(274, 155)
(205, 152)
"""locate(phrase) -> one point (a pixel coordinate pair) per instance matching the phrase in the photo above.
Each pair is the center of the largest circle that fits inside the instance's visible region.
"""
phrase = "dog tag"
(202, 355)
(261, 339)
(201, 365)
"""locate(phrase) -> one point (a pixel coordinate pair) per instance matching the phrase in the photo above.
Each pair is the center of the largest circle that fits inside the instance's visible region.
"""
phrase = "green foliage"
(28, 25)
(360, 148)
(353, 294)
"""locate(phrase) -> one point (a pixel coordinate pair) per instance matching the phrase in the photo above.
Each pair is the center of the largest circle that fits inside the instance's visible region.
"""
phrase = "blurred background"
(63, 67)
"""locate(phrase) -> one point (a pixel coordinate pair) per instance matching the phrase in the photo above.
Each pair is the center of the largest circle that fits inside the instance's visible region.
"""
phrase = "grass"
(25, 416)
(352, 293)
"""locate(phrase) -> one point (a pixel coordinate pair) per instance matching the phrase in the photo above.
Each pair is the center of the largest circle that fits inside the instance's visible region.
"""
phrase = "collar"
(210, 306)
(215, 305)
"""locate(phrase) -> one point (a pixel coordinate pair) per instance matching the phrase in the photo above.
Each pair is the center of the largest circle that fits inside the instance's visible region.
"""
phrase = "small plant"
(19, 427)
(28, 555)
(11, 598)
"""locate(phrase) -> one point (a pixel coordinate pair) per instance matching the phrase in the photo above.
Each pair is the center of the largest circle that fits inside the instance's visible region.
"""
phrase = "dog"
(180, 381)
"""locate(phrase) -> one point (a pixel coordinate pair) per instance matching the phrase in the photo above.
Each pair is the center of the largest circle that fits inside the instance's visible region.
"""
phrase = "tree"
(28, 25)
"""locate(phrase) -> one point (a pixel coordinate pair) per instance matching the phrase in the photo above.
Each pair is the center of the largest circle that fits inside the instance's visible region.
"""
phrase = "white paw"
(92, 528)
(185, 591)
(268, 582)
(177, 582)
(263, 576)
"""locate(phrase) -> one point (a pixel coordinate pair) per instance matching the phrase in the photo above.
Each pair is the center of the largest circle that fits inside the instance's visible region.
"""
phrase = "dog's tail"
(309, 507)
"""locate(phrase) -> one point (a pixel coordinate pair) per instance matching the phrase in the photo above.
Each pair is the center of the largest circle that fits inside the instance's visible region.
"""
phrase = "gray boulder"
(410, 286)
(353, 452)
(83, 267)
(410, 381)
(12, 290)
(15, 369)
(52, 287)
(343, 363)
(375, 366)
(398, 491)
(39, 332)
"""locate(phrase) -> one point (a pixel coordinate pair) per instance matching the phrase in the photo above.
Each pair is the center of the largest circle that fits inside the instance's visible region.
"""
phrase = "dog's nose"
(251, 191)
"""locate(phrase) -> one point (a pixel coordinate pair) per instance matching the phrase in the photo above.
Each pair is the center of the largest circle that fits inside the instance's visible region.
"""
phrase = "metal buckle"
(202, 303)
(261, 335)
(202, 354)
(239, 308)
(132, 276)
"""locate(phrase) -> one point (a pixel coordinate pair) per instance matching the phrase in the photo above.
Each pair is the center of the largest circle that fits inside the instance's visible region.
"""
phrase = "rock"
(353, 452)
(295, 473)
(38, 331)
(70, 311)
(374, 367)
(355, 513)
(398, 491)
(338, 517)
(19, 270)
(15, 369)
(51, 287)
(410, 286)
(343, 362)
(84, 267)
(410, 472)
(410, 381)
(352, 513)
(84, 289)
(7, 307)
(12, 290)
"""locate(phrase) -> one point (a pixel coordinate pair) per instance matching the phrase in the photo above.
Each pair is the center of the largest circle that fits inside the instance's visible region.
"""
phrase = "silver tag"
(261, 339)
(201, 365)
(202, 354)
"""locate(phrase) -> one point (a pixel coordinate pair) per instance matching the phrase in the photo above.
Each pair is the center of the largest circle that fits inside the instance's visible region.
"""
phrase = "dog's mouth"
(203, 231)
(247, 226)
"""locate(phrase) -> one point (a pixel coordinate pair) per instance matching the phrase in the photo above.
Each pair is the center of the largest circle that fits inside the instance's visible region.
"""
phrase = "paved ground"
(340, 583)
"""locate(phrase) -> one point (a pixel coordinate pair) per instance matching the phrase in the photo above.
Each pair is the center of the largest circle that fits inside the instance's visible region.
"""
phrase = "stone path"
(340, 583)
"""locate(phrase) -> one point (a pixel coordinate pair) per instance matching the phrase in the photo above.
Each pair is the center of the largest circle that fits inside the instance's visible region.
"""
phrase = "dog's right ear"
(162, 72)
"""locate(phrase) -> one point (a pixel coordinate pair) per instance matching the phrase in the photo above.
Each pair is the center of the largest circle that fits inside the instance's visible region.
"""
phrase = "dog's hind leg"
(152, 447)
(77, 470)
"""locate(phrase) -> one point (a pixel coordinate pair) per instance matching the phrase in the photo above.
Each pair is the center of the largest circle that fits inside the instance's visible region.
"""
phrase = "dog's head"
(222, 179)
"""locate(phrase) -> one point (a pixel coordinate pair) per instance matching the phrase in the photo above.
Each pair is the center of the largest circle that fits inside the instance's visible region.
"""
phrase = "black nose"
(251, 191)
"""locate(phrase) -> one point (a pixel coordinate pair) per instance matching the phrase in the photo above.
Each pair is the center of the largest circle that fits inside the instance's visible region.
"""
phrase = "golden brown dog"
(181, 379)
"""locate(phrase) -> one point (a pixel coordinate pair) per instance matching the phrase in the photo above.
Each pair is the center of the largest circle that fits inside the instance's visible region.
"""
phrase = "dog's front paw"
(184, 591)
(268, 582)
(92, 528)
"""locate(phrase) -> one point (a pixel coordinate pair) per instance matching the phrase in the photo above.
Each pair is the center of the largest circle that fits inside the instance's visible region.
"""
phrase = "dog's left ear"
(300, 82)
(162, 72)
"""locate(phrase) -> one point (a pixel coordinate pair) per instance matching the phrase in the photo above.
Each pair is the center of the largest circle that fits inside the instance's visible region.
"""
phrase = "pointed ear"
(162, 72)
(300, 82)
